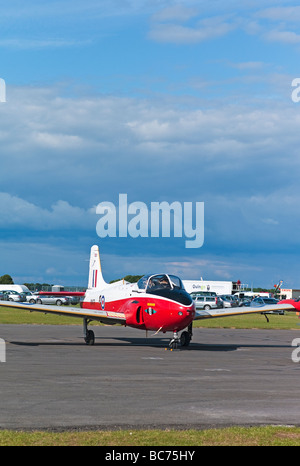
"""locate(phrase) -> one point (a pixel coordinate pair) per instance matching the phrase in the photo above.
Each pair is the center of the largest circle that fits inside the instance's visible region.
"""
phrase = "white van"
(18, 288)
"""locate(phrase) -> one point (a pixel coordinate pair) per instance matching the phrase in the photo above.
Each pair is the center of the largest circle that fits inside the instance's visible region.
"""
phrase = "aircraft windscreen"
(143, 282)
(159, 282)
(176, 282)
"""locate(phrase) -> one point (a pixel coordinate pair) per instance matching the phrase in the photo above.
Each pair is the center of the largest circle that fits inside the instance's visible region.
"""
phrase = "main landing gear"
(175, 343)
(183, 340)
(89, 336)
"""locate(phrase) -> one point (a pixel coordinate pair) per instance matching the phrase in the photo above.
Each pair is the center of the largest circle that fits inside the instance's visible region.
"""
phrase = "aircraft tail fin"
(95, 273)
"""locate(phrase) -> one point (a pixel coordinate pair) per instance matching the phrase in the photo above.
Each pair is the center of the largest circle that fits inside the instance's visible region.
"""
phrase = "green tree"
(128, 278)
(6, 280)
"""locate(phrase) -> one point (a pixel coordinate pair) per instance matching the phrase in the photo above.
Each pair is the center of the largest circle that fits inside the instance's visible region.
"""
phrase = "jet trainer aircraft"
(157, 303)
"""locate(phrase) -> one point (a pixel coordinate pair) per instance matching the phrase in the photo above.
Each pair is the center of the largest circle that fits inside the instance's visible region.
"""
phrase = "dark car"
(245, 302)
(261, 301)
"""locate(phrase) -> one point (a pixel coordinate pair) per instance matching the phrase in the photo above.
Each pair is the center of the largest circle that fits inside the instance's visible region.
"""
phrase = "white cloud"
(286, 13)
(175, 13)
(248, 65)
(279, 24)
(63, 142)
(19, 213)
(241, 161)
(194, 24)
(24, 44)
(287, 37)
(59, 141)
(187, 35)
(184, 24)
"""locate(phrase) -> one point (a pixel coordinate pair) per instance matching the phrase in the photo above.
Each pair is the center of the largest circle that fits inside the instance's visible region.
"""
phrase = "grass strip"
(231, 436)
(288, 321)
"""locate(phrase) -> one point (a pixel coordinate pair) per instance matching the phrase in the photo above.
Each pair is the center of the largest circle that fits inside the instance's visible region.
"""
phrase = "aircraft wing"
(234, 311)
(103, 316)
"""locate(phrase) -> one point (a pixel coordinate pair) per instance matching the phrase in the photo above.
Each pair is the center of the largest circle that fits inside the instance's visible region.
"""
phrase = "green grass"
(20, 316)
(233, 436)
(288, 321)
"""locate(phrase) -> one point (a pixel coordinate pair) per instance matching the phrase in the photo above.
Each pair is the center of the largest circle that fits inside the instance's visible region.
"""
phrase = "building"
(219, 287)
(289, 293)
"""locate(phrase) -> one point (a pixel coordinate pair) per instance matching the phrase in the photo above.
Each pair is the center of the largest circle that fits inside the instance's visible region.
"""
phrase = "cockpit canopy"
(150, 283)
(165, 286)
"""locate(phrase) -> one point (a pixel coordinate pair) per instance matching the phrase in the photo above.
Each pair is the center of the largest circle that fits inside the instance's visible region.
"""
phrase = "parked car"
(44, 299)
(208, 302)
(245, 302)
(261, 301)
(10, 295)
(73, 299)
(31, 297)
(228, 301)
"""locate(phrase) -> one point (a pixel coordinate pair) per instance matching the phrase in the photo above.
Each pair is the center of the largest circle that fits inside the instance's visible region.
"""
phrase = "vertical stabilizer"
(95, 272)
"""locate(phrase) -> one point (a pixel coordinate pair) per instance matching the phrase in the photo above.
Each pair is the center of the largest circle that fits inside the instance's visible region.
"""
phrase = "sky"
(161, 100)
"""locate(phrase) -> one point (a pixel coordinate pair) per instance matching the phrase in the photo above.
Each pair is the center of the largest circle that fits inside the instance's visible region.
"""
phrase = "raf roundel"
(102, 302)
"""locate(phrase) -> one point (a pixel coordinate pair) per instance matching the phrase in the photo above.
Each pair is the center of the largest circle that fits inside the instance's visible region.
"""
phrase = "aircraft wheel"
(185, 339)
(173, 345)
(90, 338)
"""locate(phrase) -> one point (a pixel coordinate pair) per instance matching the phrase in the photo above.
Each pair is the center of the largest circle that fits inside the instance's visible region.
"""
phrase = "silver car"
(207, 302)
(47, 299)
(229, 301)
(10, 295)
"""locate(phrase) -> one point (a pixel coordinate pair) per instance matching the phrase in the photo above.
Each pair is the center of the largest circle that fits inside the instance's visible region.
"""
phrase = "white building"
(219, 287)
(289, 293)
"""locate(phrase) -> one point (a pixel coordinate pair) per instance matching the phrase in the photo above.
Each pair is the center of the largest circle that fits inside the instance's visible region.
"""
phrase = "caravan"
(16, 293)
(18, 288)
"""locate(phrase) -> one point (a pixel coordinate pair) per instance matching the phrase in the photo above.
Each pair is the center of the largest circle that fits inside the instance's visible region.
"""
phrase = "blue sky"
(164, 101)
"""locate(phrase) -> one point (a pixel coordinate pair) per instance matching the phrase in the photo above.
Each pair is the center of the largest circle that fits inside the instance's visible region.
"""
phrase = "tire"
(207, 307)
(58, 302)
(39, 301)
(185, 339)
(90, 338)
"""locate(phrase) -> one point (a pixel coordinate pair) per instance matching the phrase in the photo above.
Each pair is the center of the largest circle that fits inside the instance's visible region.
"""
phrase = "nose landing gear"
(183, 340)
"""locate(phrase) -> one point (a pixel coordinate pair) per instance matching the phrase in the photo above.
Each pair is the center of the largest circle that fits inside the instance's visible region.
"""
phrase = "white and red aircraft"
(157, 303)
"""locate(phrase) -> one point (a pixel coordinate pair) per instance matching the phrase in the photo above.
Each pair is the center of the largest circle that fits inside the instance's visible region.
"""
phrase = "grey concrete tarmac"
(52, 380)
